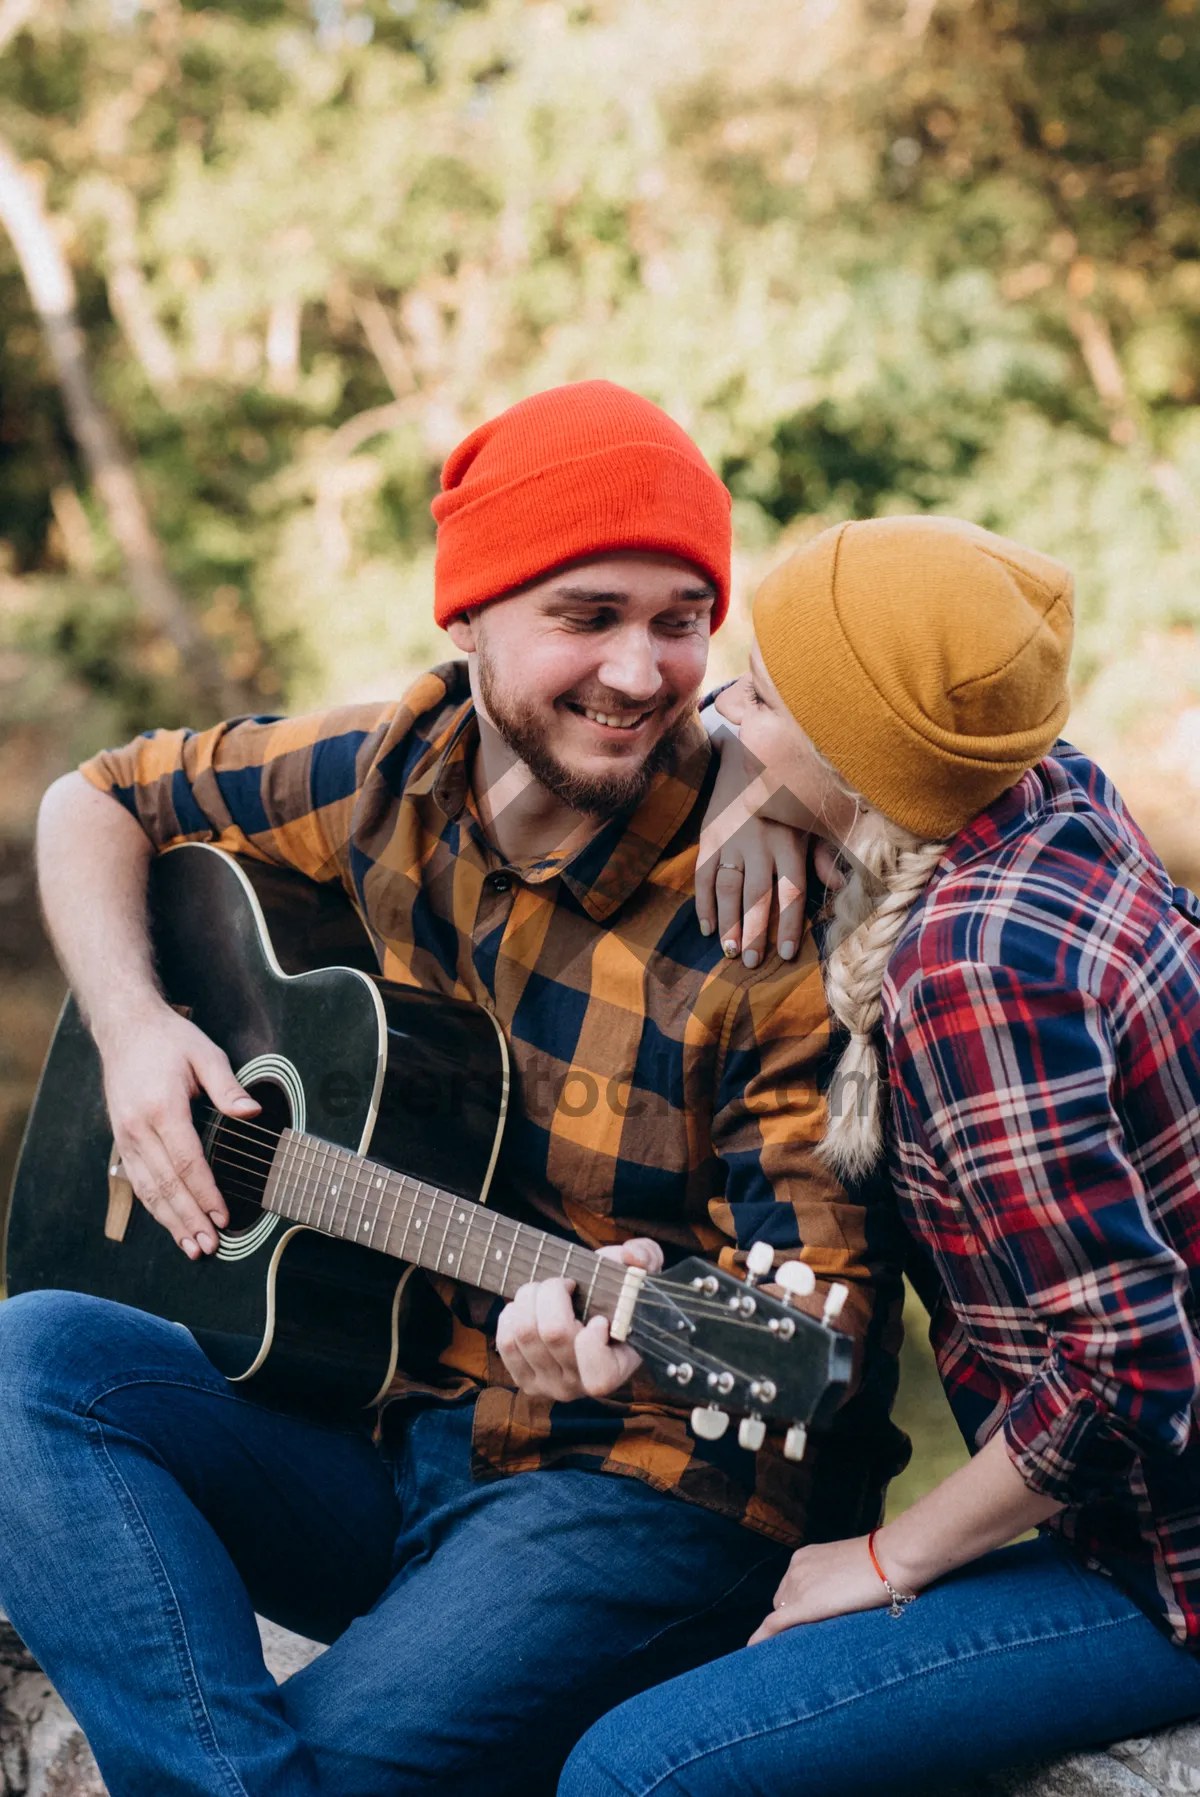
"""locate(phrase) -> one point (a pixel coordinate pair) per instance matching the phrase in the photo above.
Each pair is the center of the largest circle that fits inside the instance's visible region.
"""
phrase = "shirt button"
(500, 881)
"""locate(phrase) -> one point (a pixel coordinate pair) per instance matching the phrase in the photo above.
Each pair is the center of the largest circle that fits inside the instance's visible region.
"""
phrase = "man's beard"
(596, 795)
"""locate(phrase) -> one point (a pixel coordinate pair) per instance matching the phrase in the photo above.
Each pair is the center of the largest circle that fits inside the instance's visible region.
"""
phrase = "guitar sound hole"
(240, 1155)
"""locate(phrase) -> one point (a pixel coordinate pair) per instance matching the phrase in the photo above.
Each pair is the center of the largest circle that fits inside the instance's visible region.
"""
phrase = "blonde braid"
(890, 870)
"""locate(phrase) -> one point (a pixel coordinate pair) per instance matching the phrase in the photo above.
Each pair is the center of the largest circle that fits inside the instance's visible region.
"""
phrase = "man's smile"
(625, 722)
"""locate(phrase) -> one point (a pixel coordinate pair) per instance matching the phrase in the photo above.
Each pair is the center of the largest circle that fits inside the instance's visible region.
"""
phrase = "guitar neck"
(340, 1193)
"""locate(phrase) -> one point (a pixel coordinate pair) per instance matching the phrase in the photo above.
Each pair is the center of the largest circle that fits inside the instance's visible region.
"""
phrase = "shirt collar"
(612, 863)
(1013, 814)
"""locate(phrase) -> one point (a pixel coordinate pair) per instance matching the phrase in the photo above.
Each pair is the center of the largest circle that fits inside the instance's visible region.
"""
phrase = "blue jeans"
(1020, 1656)
(148, 1508)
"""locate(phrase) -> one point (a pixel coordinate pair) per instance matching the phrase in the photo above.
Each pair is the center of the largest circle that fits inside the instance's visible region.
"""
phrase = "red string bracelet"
(899, 1598)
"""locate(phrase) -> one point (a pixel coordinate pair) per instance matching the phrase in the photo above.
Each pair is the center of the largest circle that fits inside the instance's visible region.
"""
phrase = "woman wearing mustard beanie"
(1019, 983)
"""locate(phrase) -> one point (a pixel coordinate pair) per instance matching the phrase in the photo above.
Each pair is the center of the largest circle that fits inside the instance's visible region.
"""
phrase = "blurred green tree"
(877, 255)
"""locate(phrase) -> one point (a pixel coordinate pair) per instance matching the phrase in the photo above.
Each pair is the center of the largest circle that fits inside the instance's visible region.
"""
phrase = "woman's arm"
(980, 1507)
(1007, 1082)
(746, 864)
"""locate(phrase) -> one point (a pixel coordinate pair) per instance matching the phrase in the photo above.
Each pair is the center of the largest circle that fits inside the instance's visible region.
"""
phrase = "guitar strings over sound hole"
(240, 1152)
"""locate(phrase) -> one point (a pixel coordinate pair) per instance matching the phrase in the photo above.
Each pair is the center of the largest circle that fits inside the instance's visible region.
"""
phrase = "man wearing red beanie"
(506, 1557)
(580, 504)
(577, 472)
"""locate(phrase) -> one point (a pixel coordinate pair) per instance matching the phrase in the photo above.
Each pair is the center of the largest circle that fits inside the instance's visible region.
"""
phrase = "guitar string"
(697, 1303)
(650, 1298)
(673, 1299)
(667, 1343)
(642, 1325)
(274, 1136)
(220, 1148)
(221, 1152)
(655, 1336)
(644, 1329)
(347, 1214)
(209, 1111)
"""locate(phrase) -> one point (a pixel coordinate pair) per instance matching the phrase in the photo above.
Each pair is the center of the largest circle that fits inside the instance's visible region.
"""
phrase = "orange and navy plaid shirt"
(661, 1089)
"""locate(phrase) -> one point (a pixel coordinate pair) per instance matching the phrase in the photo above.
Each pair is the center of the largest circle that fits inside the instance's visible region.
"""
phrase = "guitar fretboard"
(337, 1191)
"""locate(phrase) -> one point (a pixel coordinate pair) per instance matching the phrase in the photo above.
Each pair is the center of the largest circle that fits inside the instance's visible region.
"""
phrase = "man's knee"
(35, 1328)
(65, 1346)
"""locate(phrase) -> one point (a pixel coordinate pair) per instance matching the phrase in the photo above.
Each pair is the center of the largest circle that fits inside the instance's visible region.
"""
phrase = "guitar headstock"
(727, 1345)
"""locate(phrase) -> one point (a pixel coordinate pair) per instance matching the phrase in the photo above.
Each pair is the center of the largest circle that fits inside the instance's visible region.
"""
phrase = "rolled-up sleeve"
(278, 789)
(1011, 1086)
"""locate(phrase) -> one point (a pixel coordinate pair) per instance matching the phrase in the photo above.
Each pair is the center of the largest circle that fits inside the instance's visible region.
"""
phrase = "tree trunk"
(127, 291)
(52, 291)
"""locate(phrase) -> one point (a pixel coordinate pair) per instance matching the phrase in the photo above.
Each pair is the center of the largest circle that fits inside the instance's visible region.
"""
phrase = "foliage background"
(876, 255)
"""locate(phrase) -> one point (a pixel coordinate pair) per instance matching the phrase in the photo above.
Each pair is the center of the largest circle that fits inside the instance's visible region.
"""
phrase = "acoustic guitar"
(382, 1113)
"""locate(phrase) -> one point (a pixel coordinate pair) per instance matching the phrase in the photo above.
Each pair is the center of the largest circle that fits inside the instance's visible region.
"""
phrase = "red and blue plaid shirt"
(1042, 1011)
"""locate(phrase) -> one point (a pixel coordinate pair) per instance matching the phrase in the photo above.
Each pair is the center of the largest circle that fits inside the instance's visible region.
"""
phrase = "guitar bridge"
(120, 1199)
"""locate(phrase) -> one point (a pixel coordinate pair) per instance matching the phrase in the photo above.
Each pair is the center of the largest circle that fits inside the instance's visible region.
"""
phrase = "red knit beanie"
(567, 474)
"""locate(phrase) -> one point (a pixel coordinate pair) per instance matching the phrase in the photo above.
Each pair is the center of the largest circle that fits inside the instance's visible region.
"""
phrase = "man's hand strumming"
(155, 1063)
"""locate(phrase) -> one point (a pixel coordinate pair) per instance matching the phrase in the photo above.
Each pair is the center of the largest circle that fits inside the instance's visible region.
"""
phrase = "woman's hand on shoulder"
(748, 868)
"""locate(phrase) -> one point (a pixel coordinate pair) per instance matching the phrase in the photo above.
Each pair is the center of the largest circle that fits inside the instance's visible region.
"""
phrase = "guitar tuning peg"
(835, 1303)
(759, 1261)
(795, 1442)
(797, 1279)
(752, 1432)
(709, 1422)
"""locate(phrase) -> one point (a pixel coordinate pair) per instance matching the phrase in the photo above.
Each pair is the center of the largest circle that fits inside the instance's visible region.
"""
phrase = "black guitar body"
(276, 970)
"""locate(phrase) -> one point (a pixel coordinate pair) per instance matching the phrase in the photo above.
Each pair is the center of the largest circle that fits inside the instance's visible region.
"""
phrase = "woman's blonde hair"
(887, 869)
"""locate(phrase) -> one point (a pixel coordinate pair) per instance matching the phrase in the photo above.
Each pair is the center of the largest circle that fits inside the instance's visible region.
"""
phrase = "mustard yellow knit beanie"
(925, 658)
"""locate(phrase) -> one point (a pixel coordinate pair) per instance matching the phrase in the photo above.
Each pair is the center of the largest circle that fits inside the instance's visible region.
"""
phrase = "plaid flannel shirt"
(1043, 1018)
(661, 1090)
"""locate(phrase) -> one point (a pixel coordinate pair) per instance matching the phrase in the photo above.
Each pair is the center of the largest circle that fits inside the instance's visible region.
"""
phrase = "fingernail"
(189, 1247)
(206, 1242)
(750, 958)
(731, 948)
(787, 950)
(245, 1104)
(706, 928)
